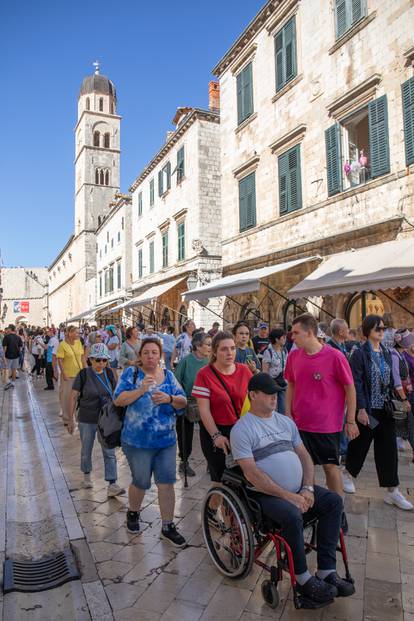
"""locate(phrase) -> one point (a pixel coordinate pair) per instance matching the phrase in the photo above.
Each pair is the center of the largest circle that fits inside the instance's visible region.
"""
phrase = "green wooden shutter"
(151, 192)
(358, 10)
(283, 167)
(180, 164)
(160, 188)
(341, 17)
(378, 136)
(181, 241)
(280, 65)
(140, 263)
(247, 202)
(333, 159)
(407, 92)
(290, 49)
(295, 184)
(167, 169)
(151, 257)
(248, 91)
(140, 204)
(239, 98)
(165, 250)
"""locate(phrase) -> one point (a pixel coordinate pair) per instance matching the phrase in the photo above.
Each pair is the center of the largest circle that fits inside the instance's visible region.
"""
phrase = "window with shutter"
(245, 94)
(165, 250)
(139, 204)
(151, 257)
(285, 54)
(378, 136)
(152, 193)
(290, 185)
(180, 165)
(160, 184)
(181, 241)
(407, 91)
(247, 202)
(140, 266)
(347, 14)
(333, 159)
(118, 275)
(167, 172)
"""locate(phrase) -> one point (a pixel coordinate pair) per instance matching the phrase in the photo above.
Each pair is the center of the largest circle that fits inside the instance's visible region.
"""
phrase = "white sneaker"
(347, 483)
(87, 483)
(397, 499)
(115, 490)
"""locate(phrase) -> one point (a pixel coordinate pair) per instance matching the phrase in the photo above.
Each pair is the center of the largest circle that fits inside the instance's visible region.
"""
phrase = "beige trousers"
(65, 397)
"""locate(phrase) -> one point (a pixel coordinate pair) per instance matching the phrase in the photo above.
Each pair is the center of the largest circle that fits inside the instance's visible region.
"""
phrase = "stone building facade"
(114, 253)
(176, 218)
(317, 143)
(72, 275)
(23, 296)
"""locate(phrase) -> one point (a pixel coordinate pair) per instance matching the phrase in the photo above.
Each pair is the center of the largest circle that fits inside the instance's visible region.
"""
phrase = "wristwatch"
(309, 488)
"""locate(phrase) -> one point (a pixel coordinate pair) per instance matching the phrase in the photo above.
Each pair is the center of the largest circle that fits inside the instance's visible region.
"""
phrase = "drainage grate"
(41, 575)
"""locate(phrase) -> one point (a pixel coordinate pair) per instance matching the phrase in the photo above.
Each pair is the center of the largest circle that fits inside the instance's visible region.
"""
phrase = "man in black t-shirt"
(12, 344)
(261, 341)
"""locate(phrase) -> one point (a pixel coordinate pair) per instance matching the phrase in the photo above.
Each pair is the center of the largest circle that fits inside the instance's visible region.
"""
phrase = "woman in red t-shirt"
(220, 389)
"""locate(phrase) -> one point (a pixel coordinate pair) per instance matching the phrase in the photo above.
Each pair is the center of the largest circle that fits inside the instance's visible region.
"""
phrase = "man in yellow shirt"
(70, 357)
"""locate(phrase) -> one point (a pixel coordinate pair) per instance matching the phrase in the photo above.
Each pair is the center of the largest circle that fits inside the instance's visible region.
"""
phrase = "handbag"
(192, 412)
(394, 408)
(226, 389)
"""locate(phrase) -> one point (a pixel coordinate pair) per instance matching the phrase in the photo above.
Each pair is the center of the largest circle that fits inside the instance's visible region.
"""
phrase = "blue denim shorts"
(145, 462)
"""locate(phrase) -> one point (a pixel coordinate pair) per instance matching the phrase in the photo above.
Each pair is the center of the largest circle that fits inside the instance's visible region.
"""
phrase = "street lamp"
(192, 281)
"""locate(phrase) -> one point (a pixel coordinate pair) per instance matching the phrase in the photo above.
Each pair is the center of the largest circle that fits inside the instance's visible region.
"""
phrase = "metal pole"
(397, 303)
(297, 305)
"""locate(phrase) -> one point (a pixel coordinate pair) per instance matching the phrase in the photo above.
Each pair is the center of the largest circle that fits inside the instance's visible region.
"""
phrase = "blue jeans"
(281, 402)
(328, 509)
(87, 435)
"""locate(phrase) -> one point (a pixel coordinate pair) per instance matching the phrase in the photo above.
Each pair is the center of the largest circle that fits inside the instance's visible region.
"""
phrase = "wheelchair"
(237, 533)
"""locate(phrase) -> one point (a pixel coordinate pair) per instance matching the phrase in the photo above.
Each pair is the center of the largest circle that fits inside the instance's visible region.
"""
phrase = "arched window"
(100, 104)
(96, 139)
(107, 177)
(88, 103)
(101, 177)
(97, 176)
(106, 140)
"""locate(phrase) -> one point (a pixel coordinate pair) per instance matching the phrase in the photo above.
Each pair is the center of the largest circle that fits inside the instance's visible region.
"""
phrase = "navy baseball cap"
(264, 383)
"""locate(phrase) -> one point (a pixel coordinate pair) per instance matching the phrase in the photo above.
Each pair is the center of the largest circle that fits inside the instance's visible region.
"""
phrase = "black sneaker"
(133, 522)
(171, 534)
(182, 468)
(344, 588)
(317, 591)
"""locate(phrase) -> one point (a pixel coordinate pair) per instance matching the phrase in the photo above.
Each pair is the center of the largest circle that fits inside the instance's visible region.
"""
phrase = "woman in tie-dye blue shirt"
(148, 435)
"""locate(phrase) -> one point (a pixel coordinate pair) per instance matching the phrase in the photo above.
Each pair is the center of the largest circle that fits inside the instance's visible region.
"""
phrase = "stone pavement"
(126, 577)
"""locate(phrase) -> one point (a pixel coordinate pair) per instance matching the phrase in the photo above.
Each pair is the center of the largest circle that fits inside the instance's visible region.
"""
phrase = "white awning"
(244, 282)
(383, 266)
(89, 314)
(152, 293)
(115, 309)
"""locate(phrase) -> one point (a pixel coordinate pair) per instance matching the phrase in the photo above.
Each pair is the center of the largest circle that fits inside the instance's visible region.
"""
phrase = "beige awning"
(383, 266)
(245, 282)
(152, 293)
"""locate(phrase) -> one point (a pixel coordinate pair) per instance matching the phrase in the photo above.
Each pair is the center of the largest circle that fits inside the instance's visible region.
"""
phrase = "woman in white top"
(113, 344)
(274, 362)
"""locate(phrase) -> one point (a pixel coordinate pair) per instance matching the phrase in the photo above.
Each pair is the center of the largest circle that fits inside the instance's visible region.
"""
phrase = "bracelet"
(171, 399)
(216, 435)
(350, 422)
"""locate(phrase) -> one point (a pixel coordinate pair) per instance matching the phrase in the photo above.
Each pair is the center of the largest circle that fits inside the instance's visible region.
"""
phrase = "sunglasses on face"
(101, 360)
(379, 329)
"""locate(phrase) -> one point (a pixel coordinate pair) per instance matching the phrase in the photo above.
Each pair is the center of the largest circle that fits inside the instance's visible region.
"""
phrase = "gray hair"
(337, 325)
(199, 339)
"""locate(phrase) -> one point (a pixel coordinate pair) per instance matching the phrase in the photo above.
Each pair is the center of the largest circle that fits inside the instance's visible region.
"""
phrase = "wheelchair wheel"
(270, 593)
(228, 532)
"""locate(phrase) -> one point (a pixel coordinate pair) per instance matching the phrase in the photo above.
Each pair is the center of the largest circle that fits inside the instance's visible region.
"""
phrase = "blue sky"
(159, 55)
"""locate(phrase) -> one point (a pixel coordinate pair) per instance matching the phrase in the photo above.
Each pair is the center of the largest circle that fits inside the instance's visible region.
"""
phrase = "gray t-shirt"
(271, 442)
(92, 393)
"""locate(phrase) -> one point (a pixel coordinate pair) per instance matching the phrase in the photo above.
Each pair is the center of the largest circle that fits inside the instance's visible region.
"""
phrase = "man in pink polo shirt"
(320, 383)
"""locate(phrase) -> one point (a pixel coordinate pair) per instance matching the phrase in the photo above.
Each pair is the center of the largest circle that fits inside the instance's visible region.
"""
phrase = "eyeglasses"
(100, 360)
(379, 329)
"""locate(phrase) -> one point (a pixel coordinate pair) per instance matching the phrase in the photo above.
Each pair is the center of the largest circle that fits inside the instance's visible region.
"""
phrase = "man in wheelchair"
(268, 448)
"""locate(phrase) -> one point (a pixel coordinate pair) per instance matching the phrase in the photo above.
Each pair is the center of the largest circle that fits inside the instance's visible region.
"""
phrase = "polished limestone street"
(125, 577)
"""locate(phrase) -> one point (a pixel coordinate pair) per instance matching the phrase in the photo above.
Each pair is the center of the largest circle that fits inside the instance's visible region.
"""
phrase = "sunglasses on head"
(379, 328)
(101, 360)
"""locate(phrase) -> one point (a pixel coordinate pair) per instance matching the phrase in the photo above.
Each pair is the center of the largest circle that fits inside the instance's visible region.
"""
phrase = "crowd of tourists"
(280, 403)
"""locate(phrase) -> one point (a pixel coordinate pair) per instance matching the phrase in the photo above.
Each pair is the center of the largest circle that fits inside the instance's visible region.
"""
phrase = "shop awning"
(89, 314)
(383, 266)
(244, 282)
(152, 293)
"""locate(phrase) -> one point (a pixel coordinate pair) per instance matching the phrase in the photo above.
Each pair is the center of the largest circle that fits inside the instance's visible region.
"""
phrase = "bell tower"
(97, 150)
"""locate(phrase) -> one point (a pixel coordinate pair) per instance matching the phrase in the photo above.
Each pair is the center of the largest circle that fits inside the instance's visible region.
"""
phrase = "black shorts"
(322, 447)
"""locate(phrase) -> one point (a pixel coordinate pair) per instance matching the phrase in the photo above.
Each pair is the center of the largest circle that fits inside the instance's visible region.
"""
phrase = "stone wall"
(20, 290)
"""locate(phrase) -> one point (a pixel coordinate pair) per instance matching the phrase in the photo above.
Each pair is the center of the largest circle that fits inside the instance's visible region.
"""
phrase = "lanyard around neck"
(105, 383)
